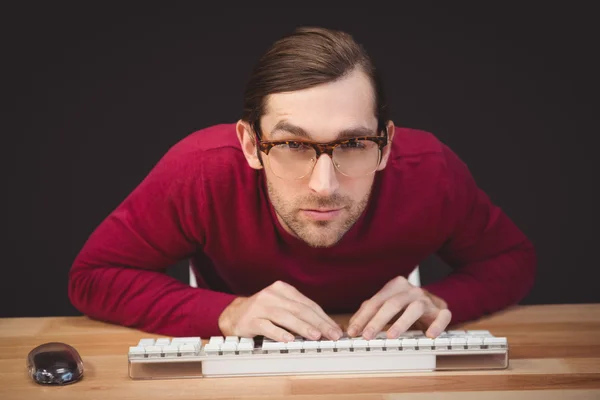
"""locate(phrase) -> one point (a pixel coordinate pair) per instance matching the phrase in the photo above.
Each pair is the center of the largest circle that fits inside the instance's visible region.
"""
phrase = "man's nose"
(323, 179)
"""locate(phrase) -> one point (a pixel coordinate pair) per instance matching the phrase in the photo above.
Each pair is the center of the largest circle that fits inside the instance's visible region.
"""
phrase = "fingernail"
(314, 334)
(288, 338)
(392, 334)
(352, 330)
(433, 333)
(368, 334)
(333, 334)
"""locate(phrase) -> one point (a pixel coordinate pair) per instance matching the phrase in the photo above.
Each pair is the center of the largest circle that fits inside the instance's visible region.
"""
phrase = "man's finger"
(369, 308)
(395, 287)
(333, 332)
(292, 322)
(319, 311)
(365, 313)
(270, 330)
(440, 323)
(413, 312)
(363, 316)
(386, 313)
(301, 319)
(359, 320)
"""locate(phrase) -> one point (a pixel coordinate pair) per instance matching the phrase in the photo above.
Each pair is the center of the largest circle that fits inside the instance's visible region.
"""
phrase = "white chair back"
(415, 277)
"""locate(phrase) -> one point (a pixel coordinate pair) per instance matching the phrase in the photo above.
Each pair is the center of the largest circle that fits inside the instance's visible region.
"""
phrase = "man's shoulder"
(215, 138)
(214, 149)
(416, 151)
(420, 147)
(411, 142)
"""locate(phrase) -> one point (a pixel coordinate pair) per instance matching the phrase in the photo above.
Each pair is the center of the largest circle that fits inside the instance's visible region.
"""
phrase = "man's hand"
(420, 307)
(278, 312)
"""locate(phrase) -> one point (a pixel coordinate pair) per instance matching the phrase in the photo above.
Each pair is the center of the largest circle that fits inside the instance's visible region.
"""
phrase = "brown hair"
(306, 58)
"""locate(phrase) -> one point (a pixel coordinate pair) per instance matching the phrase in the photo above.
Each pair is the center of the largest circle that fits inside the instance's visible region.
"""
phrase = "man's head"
(316, 86)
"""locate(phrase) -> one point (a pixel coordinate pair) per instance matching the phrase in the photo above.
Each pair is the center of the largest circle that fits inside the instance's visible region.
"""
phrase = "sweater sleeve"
(119, 275)
(493, 263)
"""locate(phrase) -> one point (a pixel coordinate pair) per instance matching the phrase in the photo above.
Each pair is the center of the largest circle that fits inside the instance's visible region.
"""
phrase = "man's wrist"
(224, 320)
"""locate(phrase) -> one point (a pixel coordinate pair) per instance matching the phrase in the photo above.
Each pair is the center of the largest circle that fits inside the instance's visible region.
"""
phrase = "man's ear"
(248, 143)
(391, 130)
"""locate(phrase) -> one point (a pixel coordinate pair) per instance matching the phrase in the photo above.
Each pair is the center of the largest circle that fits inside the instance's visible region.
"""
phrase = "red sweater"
(203, 203)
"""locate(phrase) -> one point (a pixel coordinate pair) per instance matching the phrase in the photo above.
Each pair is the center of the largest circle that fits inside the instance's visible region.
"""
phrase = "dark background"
(95, 95)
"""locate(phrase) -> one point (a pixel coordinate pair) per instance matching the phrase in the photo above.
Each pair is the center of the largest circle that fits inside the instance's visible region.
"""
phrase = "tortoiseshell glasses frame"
(326, 148)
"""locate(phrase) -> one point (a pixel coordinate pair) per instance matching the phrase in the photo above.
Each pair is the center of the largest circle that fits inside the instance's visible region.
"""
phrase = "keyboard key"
(376, 344)
(188, 350)
(409, 344)
(146, 342)
(326, 345)
(245, 347)
(294, 347)
(458, 343)
(163, 342)
(273, 347)
(425, 344)
(154, 351)
(495, 342)
(137, 352)
(479, 333)
(217, 339)
(212, 349)
(441, 343)
(393, 344)
(311, 346)
(474, 342)
(186, 340)
(171, 350)
(360, 344)
(229, 347)
(343, 344)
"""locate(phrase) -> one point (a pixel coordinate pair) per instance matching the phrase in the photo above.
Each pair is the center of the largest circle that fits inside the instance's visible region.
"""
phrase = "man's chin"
(320, 242)
(320, 234)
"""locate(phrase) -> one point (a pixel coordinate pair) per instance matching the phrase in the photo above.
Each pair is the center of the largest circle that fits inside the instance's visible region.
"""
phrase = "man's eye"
(353, 145)
(295, 146)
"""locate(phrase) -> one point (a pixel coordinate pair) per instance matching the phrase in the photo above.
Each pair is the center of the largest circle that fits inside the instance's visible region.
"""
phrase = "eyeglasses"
(295, 159)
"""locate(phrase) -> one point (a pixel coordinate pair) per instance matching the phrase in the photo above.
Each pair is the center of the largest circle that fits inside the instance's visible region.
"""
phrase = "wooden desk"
(554, 351)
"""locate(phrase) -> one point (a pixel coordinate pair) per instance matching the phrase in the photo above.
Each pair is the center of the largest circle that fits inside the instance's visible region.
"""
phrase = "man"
(313, 203)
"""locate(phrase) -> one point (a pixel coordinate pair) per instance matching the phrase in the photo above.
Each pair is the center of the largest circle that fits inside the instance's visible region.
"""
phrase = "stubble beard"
(318, 234)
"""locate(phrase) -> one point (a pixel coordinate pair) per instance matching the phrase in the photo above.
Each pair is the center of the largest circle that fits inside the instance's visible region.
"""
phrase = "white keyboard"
(233, 356)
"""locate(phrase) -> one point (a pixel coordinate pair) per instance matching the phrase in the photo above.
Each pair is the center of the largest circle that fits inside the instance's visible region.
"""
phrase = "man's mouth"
(321, 214)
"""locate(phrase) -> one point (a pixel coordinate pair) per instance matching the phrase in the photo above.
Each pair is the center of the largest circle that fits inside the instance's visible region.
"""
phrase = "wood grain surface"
(554, 354)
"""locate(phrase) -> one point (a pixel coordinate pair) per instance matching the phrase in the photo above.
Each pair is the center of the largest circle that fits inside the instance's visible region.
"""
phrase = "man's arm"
(119, 274)
(493, 262)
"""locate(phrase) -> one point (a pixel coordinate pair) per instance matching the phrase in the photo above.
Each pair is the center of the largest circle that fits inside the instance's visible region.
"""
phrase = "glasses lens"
(291, 161)
(357, 158)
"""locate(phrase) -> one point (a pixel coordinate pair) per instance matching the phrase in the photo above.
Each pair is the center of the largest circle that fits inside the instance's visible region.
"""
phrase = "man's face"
(322, 206)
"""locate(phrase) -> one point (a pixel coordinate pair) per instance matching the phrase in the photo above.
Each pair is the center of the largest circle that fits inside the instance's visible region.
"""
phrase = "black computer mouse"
(55, 363)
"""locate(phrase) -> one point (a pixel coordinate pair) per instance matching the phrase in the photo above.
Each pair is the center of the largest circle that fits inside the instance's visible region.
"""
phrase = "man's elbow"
(525, 260)
(78, 282)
